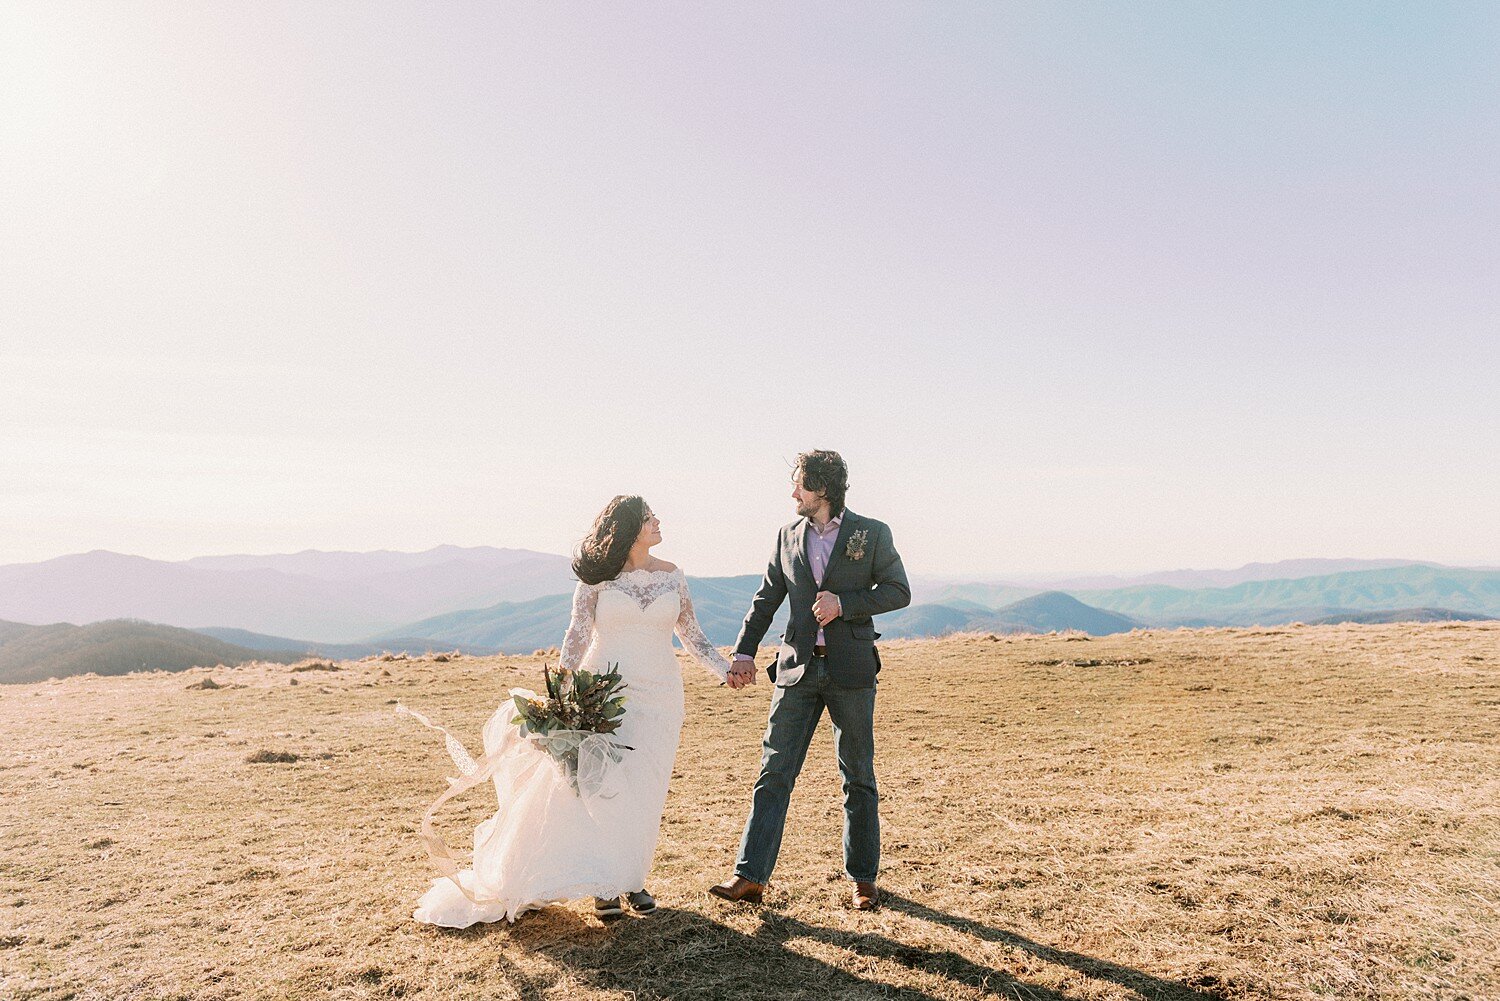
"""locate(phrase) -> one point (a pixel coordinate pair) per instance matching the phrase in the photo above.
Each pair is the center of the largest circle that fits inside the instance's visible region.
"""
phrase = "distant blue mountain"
(720, 604)
(1420, 590)
(36, 653)
(339, 651)
(483, 599)
(1401, 615)
(929, 620)
(340, 597)
(508, 626)
(1270, 602)
(1054, 610)
(995, 595)
(1039, 613)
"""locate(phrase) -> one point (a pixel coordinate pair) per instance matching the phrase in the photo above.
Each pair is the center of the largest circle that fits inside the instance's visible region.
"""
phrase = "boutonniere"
(855, 547)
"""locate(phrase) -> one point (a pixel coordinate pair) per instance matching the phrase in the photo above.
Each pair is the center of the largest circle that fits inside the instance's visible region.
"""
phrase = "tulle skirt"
(545, 844)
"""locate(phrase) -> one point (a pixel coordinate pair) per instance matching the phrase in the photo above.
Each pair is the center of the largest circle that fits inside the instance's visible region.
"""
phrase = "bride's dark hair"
(603, 552)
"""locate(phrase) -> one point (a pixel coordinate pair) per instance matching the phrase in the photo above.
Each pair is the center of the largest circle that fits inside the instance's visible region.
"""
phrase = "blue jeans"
(795, 712)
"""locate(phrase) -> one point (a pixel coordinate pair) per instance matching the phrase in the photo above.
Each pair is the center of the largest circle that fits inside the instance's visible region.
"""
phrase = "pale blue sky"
(1072, 287)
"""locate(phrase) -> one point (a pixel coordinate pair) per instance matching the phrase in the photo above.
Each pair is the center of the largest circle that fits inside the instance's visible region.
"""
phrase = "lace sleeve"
(580, 627)
(693, 640)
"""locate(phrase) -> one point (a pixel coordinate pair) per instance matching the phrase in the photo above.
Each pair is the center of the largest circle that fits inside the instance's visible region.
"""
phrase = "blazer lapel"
(799, 549)
(837, 556)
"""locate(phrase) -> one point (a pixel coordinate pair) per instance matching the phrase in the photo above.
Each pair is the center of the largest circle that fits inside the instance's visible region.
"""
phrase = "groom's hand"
(827, 607)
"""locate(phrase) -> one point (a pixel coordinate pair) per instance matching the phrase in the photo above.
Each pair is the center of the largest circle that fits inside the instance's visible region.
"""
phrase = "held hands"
(741, 673)
(827, 607)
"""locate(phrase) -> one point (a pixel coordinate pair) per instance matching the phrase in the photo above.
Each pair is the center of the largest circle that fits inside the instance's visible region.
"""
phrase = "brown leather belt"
(819, 650)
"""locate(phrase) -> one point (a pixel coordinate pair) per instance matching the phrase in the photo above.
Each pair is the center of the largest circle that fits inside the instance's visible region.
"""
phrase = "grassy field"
(1297, 812)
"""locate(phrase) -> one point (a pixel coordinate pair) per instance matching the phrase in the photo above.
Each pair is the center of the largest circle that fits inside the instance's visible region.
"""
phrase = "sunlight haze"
(1072, 288)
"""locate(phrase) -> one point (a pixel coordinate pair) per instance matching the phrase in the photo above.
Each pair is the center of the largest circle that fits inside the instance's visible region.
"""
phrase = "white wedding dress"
(544, 844)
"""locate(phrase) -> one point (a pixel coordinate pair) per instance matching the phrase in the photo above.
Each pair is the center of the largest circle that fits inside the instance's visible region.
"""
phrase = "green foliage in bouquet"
(576, 700)
(579, 710)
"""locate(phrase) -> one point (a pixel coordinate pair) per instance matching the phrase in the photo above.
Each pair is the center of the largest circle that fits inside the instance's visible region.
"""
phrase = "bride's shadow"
(685, 953)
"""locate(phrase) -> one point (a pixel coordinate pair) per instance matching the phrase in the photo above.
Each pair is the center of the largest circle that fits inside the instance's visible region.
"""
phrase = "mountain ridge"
(337, 651)
(115, 646)
(720, 604)
(1249, 603)
(344, 598)
(486, 598)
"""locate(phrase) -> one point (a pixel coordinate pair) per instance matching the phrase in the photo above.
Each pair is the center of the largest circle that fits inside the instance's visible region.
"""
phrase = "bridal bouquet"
(573, 721)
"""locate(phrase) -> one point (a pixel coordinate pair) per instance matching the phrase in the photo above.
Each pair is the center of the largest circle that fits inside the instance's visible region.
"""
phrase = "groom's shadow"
(1090, 966)
(685, 953)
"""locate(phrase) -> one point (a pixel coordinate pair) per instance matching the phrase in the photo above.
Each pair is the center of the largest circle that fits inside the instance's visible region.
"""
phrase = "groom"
(838, 569)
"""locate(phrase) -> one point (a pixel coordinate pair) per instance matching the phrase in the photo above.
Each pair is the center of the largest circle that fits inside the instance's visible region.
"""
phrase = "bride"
(545, 844)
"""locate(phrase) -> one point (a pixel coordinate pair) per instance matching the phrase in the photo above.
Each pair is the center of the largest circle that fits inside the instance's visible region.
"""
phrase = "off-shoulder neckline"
(640, 570)
(644, 570)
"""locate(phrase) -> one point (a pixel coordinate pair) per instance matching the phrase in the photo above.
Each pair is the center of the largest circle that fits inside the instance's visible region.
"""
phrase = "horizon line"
(982, 577)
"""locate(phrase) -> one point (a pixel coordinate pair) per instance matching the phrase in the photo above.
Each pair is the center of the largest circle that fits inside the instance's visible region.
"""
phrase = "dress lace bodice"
(644, 587)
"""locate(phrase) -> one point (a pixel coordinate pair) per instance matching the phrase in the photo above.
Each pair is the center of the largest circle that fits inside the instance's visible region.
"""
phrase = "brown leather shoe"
(739, 889)
(866, 897)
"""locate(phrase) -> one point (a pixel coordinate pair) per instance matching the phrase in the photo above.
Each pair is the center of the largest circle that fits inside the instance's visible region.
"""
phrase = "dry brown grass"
(1260, 813)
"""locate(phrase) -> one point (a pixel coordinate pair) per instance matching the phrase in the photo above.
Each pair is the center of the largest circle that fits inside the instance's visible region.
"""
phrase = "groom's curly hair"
(825, 472)
(603, 552)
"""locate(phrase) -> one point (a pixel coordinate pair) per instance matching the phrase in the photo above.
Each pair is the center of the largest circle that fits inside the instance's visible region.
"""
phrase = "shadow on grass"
(1098, 969)
(682, 954)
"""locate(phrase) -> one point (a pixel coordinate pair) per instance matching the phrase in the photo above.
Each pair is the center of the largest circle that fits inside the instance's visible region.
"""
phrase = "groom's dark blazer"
(872, 583)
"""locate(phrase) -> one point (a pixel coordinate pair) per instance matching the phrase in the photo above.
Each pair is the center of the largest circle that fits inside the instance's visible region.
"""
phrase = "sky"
(1072, 287)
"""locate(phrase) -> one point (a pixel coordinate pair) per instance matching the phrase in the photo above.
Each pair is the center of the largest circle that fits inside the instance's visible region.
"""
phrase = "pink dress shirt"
(819, 551)
(819, 548)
